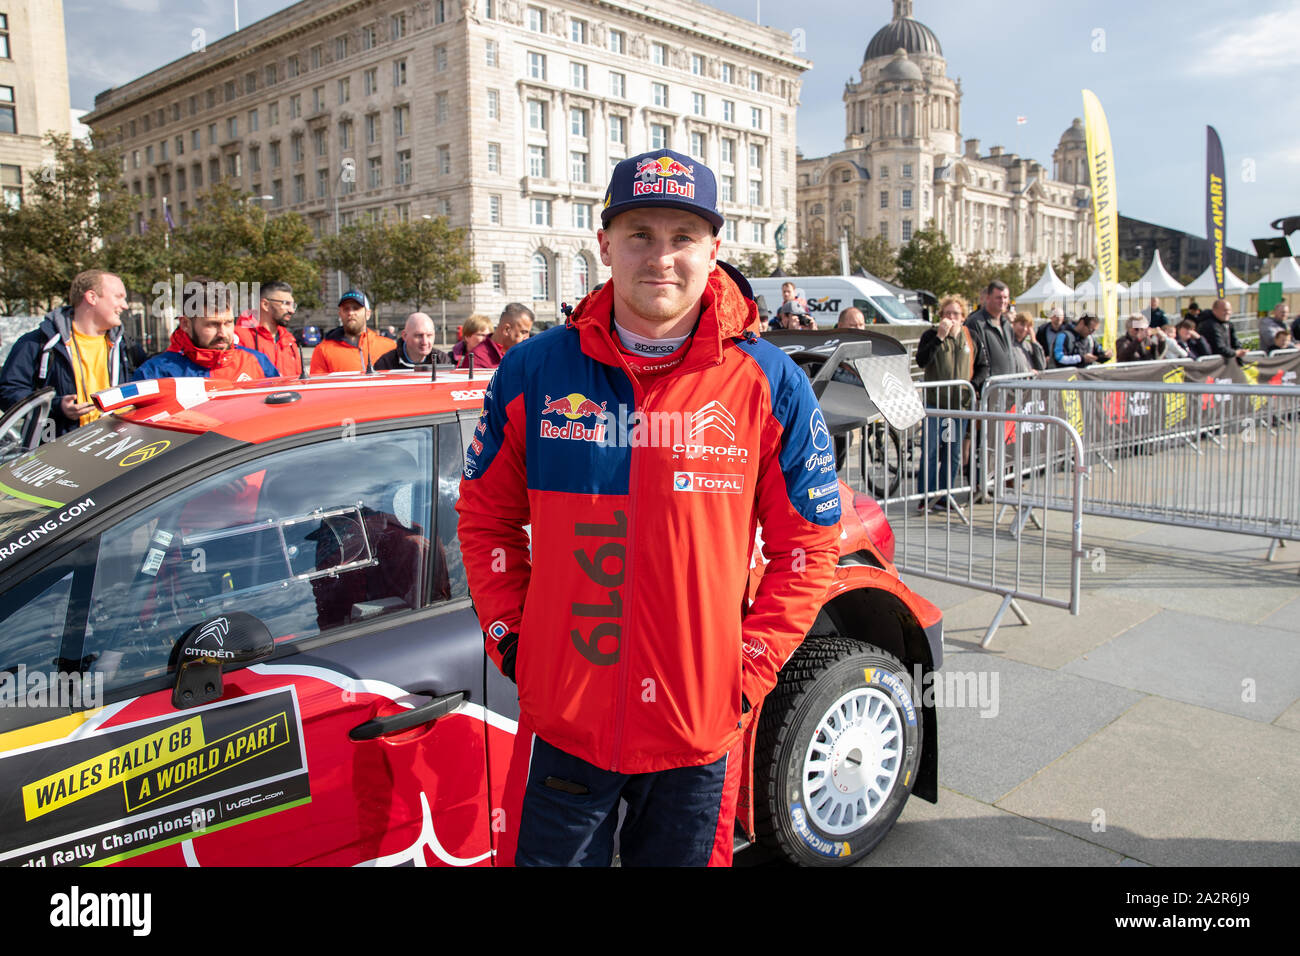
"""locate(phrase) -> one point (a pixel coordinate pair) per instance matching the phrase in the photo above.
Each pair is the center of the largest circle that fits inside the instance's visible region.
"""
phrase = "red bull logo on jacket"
(575, 407)
(656, 177)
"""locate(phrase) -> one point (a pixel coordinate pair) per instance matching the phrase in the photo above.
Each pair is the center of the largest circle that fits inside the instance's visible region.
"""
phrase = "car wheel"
(839, 741)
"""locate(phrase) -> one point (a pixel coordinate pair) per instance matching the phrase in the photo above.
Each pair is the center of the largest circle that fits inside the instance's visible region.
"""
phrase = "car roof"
(264, 410)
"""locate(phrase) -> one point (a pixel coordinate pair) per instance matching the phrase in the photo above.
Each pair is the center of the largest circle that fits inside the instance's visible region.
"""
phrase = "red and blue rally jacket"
(644, 499)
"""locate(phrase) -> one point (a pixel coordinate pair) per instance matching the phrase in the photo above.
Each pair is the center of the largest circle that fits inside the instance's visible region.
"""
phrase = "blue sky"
(1162, 69)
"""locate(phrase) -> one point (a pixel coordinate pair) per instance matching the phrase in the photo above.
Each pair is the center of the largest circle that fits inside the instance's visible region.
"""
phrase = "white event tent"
(1157, 282)
(1049, 291)
(1287, 272)
(1088, 293)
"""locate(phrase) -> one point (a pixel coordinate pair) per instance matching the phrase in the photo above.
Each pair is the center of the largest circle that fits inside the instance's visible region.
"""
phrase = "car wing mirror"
(206, 648)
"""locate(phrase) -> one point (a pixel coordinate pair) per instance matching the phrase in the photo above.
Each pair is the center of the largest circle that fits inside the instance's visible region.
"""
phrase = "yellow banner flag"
(1105, 213)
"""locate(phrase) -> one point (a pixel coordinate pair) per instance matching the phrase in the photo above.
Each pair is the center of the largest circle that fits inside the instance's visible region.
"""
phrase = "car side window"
(451, 464)
(308, 539)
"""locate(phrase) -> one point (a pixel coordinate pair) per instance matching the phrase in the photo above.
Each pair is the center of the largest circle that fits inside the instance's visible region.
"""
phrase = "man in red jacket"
(270, 334)
(644, 443)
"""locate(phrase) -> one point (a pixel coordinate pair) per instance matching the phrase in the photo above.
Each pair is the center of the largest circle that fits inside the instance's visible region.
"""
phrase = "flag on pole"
(1105, 212)
(167, 215)
(1022, 120)
(1216, 205)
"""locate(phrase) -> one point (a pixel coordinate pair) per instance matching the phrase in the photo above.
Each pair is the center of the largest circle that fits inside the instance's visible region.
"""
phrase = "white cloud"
(1261, 44)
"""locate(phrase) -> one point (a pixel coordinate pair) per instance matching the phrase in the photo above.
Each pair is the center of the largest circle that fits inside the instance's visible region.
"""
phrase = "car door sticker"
(114, 794)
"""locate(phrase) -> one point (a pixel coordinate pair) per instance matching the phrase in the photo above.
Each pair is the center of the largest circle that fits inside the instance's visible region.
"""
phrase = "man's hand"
(72, 409)
(1089, 358)
(1240, 352)
(945, 328)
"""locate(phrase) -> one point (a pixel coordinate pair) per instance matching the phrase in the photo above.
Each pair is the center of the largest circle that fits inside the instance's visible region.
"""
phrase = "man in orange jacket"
(270, 333)
(353, 345)
(644, 442)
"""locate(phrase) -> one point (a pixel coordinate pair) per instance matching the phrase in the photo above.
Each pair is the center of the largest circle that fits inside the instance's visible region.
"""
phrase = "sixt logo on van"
(824, 304)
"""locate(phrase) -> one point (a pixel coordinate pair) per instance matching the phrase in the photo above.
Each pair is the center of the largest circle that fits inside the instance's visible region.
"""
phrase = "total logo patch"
(713, 483)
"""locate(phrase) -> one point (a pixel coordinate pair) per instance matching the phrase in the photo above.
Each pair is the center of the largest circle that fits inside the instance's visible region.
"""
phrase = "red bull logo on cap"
(575, 407)
(655, 177)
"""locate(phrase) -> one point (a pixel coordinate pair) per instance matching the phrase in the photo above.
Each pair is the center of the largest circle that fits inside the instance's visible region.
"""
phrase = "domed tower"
(1070, 159)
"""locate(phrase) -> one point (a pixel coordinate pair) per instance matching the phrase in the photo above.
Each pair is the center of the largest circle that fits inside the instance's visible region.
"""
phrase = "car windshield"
(43, 493)
(894, 308)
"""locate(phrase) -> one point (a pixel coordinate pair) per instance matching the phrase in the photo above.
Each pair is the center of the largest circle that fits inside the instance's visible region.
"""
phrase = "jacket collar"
(57, 325)
(725, 313)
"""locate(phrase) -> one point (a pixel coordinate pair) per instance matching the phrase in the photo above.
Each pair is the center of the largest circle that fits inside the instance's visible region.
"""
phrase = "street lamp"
(442, 302)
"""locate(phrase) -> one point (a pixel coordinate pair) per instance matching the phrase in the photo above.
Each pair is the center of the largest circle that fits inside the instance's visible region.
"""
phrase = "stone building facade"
(904, 163)
(33, 89)
(504, 116)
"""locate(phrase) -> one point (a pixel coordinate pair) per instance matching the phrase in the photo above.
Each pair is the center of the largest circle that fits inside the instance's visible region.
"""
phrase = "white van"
(828, 296)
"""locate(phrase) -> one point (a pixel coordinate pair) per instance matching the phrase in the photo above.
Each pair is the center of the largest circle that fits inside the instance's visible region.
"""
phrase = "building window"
(397, 26)
(582, 215)
(252, 123)
(659, 94)
(884, 229)
(196, 176)
(4, 55)
(618, 85)
(756, 192)
(403, 211)
(291, 68)
(11, 177)
(498, 277)
(617, 41)
(255, 158)
(884, 199)
(618, 130)
(907, 170)
(232, 127)
(659, 136)
(697, 64)
(907, 199)
(578, 122)
(494, 210)
(755, 81)
(180, 177)
(210, 96)
(444, 160)
(728, 111)
(537, 161)
(277, 193)
(322, 183)
(537, 115)
(581, 276)
(275, 155)
(374, 172)
(729, 230)
(148, 155)
(578, 75)
(541, 274)
(317, 56)
(785, 123)
(578, 168)
(756, 231)
(341, 47)
(493, 105)
(494, 158)
(295, 147)
(345, 134)
(317, 99)
(368, 37)
(440, 59)
(401, 120)
(180, 148)
(755, 156)
(697, 147)
(372, 128)
(399, 73)
(925, 199)
(403, 167)
(440, 108)
(756, 117)
(541, 209)
(212, 134)
(728, 73)
(907, 230)
(578, 31)
(370, 81)
(214, 170)
(536, 19)
(295, 106)
(884, 172)
(537, 66)
(728, 150)
(272, 114)
(659, 54)
(728, 188)
(697, 104)
(318, 141)
(299, 188)
(439, 11)
(490, 52)
(229, 91)
(345, 89)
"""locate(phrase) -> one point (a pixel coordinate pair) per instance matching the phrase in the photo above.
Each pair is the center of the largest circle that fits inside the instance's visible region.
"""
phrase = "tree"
(70, 207)
(362, 251)
(926, 262)
(429, 261)
(756, 265)
(230, 237)
(1130, 270)
(1073, 269)
(875, 255)
(815, 257)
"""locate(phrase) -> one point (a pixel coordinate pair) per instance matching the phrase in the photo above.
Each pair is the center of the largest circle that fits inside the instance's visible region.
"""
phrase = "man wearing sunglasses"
(271, 335)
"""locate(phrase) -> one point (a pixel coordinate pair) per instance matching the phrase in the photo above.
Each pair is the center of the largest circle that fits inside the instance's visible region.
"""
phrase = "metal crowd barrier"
(1220, 457)
(957, 533)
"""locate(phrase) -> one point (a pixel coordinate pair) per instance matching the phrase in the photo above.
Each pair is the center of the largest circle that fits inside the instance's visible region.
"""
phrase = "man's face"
(853, 319)
(787, 291)
(353, 316)
(659, 261)
(418, 336)
(789, 320)
(514, 330)
(216, 331)
(996, 302)
(279, 306)
(1021, 330)
(106, 306)
(1056, 319)
(1281, 311)
(1139, 332)
(1222, 311)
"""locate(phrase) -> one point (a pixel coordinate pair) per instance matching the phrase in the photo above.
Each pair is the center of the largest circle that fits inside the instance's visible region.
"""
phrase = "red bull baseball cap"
(662, 177)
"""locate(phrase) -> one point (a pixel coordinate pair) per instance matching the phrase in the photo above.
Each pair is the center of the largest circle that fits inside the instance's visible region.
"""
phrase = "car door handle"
(424, 714)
